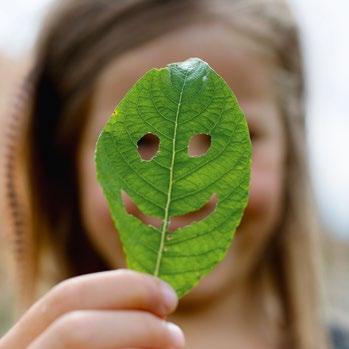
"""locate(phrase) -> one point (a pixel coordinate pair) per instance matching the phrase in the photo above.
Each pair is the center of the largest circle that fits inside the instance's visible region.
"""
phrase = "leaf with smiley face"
(175, 104)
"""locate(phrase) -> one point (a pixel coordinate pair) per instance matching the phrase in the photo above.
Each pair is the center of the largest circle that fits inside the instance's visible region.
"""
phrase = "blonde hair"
(73, 50)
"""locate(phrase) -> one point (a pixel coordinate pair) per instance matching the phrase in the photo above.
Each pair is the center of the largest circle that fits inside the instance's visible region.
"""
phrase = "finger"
(110, 330)
(117, 289)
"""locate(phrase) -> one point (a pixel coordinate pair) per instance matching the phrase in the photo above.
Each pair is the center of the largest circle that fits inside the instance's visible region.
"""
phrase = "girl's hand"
(113, 309)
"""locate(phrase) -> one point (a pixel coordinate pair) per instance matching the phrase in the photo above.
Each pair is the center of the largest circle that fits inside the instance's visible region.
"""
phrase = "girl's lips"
(175, 221)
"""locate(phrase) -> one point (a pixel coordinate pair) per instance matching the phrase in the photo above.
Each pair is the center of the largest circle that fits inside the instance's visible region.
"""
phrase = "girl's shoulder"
(339, 337)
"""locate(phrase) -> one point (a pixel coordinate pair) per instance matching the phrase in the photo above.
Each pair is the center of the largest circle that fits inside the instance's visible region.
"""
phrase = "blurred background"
(325, 31)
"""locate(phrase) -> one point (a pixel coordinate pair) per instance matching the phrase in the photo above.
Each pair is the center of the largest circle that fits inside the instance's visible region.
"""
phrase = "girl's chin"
(217, 283)
(231, 273)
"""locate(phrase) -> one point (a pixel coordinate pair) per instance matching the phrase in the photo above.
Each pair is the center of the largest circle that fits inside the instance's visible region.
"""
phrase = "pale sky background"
(325, 28)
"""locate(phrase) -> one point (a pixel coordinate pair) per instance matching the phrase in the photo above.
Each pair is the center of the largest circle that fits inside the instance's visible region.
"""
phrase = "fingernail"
(177, 336)
(170, 297)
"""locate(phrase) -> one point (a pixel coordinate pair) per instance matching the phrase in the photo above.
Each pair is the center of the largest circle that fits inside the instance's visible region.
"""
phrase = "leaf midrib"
(170, 184)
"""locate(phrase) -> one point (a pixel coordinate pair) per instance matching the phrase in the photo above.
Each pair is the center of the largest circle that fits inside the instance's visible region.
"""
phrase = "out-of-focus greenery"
(5, 312)
(5, 295)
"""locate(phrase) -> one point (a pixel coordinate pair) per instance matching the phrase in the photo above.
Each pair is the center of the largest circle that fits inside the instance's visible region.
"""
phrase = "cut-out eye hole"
(199, 145)
(148, 146)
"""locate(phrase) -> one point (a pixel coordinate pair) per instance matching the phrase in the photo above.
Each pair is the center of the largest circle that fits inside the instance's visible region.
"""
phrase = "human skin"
(249, 76)
(248, 71)
(107, 310)
(124, 309)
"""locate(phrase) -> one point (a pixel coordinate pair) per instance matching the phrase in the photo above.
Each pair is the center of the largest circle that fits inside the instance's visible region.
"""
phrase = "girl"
(263, 295)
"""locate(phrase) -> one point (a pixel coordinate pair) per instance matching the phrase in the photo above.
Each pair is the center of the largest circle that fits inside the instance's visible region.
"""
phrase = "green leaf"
(176, 103)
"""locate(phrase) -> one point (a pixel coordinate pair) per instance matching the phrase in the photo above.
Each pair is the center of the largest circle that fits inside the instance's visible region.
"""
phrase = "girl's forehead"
(248, 72)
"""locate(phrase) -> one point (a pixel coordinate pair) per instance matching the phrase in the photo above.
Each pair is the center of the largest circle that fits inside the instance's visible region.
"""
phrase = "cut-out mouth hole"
(148, 146)
(175, 221)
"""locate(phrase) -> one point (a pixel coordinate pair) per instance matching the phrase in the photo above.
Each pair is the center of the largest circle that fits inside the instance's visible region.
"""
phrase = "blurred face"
(248, 72)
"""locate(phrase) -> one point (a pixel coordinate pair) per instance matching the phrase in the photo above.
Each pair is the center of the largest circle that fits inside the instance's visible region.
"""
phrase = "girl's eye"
(148, 146)
(254, 135)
